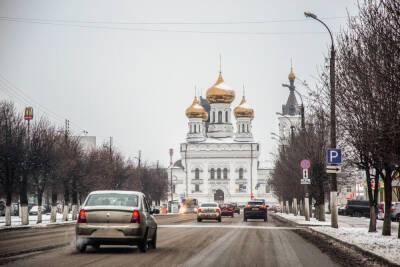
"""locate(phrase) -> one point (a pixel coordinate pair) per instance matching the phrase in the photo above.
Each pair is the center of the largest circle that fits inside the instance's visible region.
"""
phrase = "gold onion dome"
(243, 110)
(291, 75)
(220, 92)
(196, 110)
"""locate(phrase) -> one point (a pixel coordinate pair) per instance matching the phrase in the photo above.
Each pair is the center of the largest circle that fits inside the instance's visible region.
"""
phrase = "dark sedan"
(255, 209)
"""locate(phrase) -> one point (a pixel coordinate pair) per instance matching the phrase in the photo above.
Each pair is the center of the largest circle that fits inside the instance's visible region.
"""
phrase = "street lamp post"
(334, 215)
(171, 153)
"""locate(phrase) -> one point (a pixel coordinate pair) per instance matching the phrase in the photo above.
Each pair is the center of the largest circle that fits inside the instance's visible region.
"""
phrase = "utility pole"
(333, 194)
(171, 164)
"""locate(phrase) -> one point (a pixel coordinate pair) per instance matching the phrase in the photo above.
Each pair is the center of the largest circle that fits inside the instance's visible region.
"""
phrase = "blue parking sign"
(334, 156)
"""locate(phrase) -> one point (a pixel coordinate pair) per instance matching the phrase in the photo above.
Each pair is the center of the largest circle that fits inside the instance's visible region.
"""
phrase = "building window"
(247, 128)
(213, 116)
(219, 116)
(195, 128)
(226, 116)
(190, 126)
(242, 188)
(267, 188)
(197, 173)
(241, 173)
(218, 173)
(348, 188)
(197, 188)
(225, 173)
(212, 173)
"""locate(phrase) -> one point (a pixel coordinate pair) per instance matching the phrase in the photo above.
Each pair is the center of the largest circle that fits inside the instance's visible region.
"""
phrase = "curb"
(344, 243)
(35, 226)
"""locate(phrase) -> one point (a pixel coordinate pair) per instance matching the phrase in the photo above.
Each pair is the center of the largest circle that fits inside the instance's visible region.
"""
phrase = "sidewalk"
(16, 221)
(354, 231)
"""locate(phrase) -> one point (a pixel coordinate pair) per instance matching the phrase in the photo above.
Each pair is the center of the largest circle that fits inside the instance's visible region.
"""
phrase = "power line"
(158, 30)
(164, 22)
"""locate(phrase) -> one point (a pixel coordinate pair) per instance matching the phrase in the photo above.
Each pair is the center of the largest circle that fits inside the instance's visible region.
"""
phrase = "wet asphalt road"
(182, 241)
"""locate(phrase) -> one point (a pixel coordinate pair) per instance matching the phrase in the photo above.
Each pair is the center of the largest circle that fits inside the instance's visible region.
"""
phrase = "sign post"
(305, 164)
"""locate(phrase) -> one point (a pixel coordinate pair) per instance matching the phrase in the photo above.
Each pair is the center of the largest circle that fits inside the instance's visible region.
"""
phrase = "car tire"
(232, 215)
(245, 219)
(198, 220)
(144, 244)
(96, 246)
(265, 219)
(81, 248)
(153, 241)
(219, 219)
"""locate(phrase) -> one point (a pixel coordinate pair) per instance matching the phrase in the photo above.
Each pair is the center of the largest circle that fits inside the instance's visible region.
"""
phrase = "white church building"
(219, 160)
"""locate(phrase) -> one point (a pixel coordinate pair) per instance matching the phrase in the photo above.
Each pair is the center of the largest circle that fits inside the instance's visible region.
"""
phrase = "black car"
(255, 209)
(236, 208)
(357, 208)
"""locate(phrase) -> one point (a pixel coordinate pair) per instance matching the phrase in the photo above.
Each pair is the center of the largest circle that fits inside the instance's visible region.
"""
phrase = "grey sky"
(136, 85)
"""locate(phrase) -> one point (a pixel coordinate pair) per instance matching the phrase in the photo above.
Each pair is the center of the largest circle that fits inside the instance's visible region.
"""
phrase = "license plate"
(254, 209)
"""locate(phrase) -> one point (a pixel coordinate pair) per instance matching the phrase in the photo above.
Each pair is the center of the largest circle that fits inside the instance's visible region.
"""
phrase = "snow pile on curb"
(301, 221)
(16, 221)
(387, 247)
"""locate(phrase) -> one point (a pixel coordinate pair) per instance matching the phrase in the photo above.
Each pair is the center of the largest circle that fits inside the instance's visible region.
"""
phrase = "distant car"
(227, 210)
(255, 209)
(35, 209)
(209, 211)
(358, 208)
(395, 212)
(236, 208)
(116, 218)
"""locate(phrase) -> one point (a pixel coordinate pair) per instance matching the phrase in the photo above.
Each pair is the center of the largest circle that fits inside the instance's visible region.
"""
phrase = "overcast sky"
(134, 81)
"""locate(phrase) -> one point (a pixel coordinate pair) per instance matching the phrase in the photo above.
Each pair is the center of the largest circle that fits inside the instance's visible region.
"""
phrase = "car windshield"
(209, 205)
(112, 199)
(255, 203)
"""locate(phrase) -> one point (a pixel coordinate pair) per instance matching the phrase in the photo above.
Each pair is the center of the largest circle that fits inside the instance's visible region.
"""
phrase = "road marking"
(226, 226)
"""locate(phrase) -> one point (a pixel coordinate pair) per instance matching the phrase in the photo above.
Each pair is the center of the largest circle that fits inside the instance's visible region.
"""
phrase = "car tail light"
(263, 206)
(135, 216)
(218, 210)
(199, 210)
(248, 206)
(82, 216)
(392, 210)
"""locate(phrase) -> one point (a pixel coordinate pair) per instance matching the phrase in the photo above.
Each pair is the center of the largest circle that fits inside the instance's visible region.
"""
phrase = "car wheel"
(96, 246)
(80, 247)
(219, 219)
(245, 219)
(153, 241)
(198, 220)
(232, 215)
(265, 219)
(144, 244)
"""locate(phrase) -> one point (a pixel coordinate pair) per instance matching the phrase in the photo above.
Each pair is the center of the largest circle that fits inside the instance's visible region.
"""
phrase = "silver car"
(209, 211)
(116, 218)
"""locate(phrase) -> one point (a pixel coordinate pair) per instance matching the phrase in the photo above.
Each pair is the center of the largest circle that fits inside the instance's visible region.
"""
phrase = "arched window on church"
(197, 174)
(190, 126)
(219, 116)
(213, 116)
(247, 128)
(195, 128)
(241, 173)
(226, 116)
(212, 174)
(219, 173)
(225, 173)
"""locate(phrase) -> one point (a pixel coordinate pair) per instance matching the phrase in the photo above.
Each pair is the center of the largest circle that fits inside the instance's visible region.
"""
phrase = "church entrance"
(219, 196)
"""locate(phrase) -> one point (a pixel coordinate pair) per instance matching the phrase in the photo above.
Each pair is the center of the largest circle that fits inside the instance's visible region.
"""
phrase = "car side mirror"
(155, 211)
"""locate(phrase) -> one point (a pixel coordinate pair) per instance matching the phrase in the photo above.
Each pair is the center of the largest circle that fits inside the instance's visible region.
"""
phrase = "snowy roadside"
(354, 231)
(16, 221)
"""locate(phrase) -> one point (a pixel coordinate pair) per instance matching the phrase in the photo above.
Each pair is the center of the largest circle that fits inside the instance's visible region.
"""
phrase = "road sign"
(333, 169)
(334, 156)
(305, 164)
(305, 181)
(305, 173)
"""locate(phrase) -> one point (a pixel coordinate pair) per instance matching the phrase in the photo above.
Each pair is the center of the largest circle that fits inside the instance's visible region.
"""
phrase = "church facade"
(219, 160)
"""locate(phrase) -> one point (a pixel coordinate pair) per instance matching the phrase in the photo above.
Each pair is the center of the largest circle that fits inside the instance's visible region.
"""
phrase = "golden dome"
(243, 110)
(291, 75)
(196, 110)
(220, 92)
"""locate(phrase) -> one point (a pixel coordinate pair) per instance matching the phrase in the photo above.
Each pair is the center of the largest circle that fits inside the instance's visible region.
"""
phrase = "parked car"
(35, 209)
(358, 208)
(236, 208)
(395, 212)
(342, 209)
(116, 218)
(227, 210)
(209, 211)
(255, 209)
(15, 209)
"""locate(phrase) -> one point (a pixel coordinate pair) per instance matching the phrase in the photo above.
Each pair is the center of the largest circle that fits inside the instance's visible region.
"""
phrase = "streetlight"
(334, 215)
(171, 164)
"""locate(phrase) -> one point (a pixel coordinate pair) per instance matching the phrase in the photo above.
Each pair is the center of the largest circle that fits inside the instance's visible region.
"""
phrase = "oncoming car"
(209, 211)
(116, 218)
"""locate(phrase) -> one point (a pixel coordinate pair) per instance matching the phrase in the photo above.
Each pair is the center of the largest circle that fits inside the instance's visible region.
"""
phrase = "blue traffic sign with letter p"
(334, 156)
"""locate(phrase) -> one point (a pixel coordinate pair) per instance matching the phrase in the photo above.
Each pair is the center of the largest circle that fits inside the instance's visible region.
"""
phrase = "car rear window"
(112, 199)
(255, 203)
(209, 205)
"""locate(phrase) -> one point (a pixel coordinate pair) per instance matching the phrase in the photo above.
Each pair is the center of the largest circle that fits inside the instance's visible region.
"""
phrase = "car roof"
(116, 192)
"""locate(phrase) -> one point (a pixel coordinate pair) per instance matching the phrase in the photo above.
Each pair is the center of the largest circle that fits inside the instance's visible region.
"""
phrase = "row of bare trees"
(49, 163)
(368, 110)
